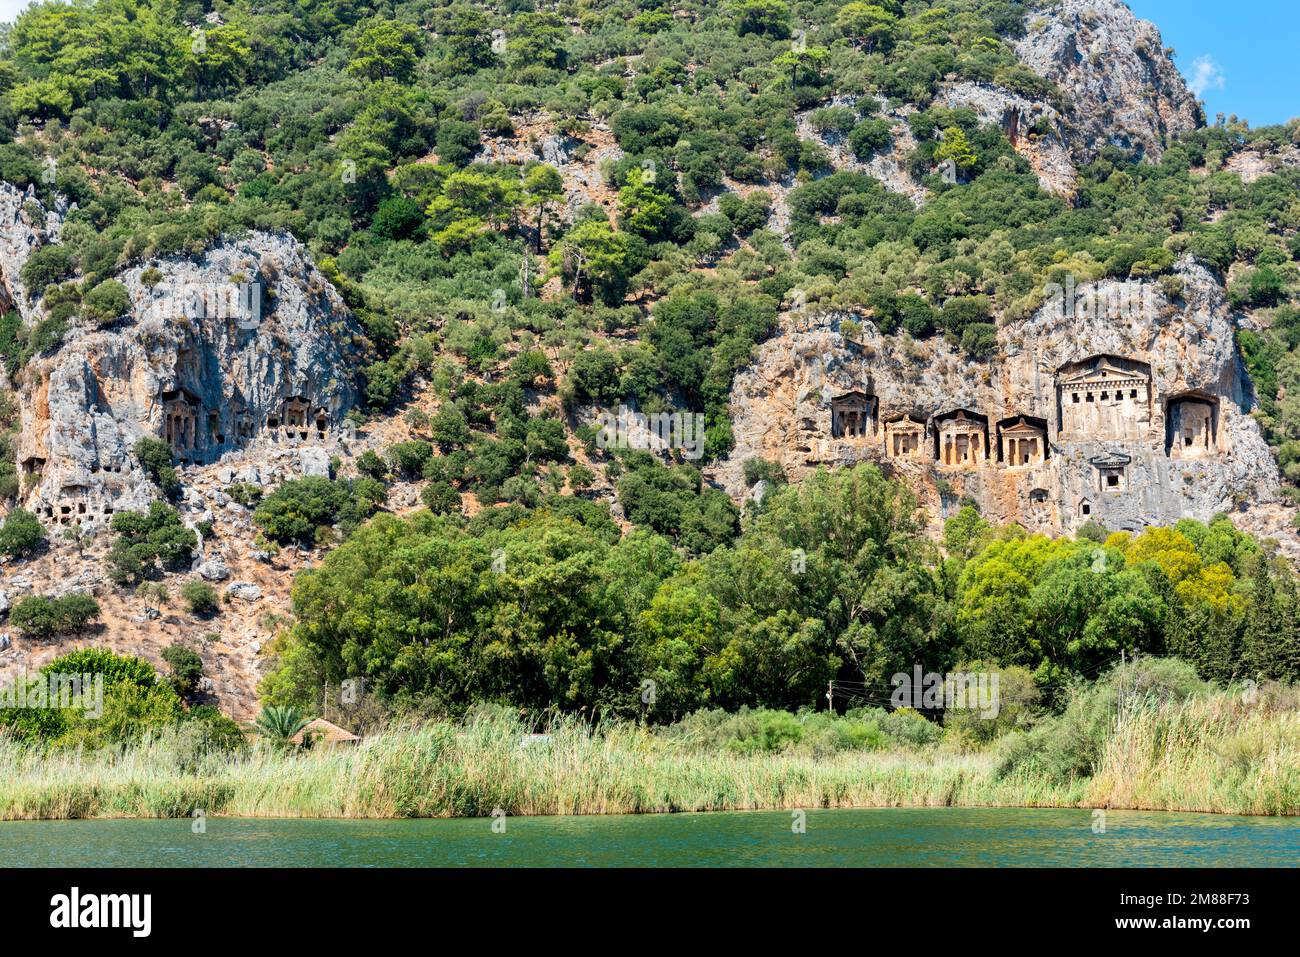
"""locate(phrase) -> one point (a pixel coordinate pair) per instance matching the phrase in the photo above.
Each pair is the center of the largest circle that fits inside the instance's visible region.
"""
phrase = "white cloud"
(1206, 75)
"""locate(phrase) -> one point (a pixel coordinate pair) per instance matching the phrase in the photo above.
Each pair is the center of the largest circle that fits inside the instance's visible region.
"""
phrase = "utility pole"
(830, 696)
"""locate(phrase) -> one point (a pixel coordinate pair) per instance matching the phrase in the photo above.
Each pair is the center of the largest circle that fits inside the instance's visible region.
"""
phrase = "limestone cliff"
(247, 345)
(1120, 85)
(1113, 402)
(25, 226)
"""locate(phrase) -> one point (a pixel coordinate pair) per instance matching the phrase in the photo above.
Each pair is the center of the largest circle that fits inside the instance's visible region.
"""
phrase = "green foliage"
(39, 617)
(1070, 746)
(245, 494)
(674, 502)
(762, 731)
(277, 724)
(408, 458)
(956, 148)
(768, 17)
(155, 457)
(763, 470)
(116, 669)
(869, 136)
(186, 667)
(979, 340)
(46, 266)
(385, 50)
(372, 466)
(200, 598)
(148, 542)
(441, 498)
(107, 302)
(133, 702)
(303, 510)
(22, 534)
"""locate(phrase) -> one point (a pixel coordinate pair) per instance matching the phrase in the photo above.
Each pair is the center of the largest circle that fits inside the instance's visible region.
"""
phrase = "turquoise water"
(919, 837)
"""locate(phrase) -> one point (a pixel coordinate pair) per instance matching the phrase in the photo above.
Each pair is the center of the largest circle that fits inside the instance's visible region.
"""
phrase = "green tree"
(147, 541)
(543, 188)
(155, 457)
(215, 57)
(644, 209)
(536, 39)
(278, 725)
(768, 17)
(385, 49)
(186, 667)
(866, 24)
(593, 258)
(806, 60)
(957, 148)
(40, 617)
(200, 598)
(107, 302)
(22, 534)
(469, 39)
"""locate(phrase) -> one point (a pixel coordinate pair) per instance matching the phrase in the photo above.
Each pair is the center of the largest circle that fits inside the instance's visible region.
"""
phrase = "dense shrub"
(155, 457)
(200, 598)
(21, 534)
(148, 542)
(186, 668)
(40, 617)
(302, 511)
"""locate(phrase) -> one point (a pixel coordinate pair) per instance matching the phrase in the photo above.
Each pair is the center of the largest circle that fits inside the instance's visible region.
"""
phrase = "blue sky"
(1239, 57)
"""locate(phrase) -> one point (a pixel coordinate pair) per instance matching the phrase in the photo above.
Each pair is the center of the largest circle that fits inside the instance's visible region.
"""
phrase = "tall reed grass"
(1212, 754)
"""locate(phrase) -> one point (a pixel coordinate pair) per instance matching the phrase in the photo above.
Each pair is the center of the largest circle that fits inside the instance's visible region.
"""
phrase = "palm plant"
(279, 723)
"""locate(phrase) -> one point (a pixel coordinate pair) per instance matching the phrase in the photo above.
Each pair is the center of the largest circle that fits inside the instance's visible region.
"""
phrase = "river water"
(894, 837)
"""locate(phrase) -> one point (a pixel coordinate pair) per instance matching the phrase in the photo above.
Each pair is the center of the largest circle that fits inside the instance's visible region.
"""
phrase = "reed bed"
(1215, 754)
(1204, 756)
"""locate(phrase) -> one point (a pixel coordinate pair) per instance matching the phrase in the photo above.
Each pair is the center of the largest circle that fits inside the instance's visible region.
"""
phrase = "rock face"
(1121, 86)
(245, 347)
(1112, 403)
(24, 227)
(1033, 128)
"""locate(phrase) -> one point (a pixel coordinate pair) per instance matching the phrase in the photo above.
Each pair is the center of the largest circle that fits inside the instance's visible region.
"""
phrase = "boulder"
(244, 591)
(314, 461)
(214, 570)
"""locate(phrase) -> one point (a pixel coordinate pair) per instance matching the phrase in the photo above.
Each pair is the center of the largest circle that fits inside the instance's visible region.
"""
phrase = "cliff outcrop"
(1120, 85)
(244, 347)
(1113, 402)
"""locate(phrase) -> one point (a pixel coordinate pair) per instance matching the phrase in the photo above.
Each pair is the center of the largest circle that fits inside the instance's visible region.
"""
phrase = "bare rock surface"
(1121, 86)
